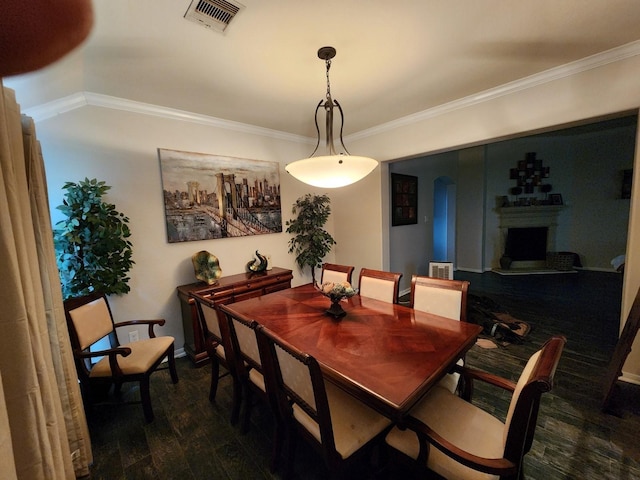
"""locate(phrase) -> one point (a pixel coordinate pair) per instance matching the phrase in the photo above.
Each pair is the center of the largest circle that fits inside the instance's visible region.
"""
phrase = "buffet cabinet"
(231, 289)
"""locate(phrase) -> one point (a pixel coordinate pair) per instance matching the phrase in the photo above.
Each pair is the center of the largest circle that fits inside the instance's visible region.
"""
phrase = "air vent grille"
(213, 14)
(441, 270)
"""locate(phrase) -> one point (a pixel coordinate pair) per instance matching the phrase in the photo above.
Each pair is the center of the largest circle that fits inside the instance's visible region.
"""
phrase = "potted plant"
(310, 242)
(93, 251)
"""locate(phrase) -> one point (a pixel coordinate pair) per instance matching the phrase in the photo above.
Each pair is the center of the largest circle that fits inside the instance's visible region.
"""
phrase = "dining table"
(387, 355)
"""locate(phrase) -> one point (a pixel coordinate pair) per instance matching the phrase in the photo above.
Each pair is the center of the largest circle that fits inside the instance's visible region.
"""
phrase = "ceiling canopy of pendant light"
(333, 169)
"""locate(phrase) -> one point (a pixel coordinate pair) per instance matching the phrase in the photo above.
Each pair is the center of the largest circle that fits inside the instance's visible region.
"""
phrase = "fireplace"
(526, 244)
(527, 234)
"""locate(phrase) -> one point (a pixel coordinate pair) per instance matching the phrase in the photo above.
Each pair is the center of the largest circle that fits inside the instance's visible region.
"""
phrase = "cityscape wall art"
(213, 196)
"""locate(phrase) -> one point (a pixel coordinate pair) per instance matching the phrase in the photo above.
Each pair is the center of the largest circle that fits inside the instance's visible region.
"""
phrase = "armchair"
(456, 439)
(89, 320)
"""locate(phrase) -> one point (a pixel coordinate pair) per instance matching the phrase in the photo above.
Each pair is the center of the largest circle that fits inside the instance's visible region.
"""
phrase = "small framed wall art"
(404, 199)
(555, 198)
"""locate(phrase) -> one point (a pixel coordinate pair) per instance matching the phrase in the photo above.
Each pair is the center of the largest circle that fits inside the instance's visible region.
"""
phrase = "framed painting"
(404, 199)
(556, 199)
(213, 196)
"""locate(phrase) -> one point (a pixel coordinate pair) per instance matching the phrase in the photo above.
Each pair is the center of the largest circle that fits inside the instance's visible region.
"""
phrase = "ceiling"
(393, 58)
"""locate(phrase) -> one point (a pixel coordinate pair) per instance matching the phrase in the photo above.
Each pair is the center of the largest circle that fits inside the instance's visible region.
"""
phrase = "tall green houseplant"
(310, 241)
(93, 251)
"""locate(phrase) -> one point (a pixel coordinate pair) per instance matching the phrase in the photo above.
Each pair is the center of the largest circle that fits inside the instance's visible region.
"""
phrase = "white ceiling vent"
(213, 14)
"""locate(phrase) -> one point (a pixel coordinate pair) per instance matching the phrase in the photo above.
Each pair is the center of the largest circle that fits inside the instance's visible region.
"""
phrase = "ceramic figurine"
(206, 267)
(258, 265)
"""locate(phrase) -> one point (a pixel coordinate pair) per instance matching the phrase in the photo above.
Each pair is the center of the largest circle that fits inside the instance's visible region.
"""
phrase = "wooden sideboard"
(231, 289)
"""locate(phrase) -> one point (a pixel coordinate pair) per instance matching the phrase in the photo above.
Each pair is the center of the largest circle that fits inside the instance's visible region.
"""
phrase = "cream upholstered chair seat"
(144, 353)
(443, 421)
(464, 425)
(353, 423)
(379, 285)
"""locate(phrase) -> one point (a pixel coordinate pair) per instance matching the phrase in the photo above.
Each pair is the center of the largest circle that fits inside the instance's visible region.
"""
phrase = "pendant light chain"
(328, 81)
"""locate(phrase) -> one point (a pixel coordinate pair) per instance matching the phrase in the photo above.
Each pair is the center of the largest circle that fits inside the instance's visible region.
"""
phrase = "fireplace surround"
(535, 217)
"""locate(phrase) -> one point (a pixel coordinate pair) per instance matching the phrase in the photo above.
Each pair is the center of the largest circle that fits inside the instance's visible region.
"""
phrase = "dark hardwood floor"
(192, 438)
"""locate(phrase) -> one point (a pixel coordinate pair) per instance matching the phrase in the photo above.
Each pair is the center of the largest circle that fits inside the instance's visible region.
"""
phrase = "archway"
(444, 220)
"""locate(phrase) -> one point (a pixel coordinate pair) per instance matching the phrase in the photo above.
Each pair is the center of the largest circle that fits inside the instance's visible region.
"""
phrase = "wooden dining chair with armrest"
(447, 298)
(336, 273)
(89, 320)
(216, 336)
(449, 435)
(379, 284)
(342, 428)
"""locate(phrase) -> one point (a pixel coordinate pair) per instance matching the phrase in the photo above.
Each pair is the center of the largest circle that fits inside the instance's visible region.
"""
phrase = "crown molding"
(82, 99)
(588, 63)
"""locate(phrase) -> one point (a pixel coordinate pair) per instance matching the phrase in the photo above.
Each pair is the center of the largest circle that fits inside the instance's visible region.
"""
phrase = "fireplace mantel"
(529, 217)
(533, 216)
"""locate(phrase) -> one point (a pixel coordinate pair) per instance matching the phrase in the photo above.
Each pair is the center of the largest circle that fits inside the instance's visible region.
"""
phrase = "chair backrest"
(208, 317)
(88, 318)
(522, 416)
(379, 284)
(336, 273)
(447, 298)
(244, 343)
(295, 382)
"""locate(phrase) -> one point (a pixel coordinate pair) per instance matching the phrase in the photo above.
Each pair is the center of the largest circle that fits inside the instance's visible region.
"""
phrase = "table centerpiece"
(336, 292)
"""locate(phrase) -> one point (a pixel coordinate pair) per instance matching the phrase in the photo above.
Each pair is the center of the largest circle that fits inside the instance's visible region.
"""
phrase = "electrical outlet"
(133, 336)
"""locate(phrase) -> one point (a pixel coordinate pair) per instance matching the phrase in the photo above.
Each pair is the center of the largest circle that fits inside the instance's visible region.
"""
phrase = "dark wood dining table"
(386, 355)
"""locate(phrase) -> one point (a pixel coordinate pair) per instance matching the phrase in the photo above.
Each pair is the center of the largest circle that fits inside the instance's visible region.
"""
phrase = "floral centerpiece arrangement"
(336, 292)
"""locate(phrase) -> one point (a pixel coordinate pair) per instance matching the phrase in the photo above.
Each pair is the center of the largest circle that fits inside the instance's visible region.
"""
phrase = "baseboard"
(630, 378)
(531, 271)
(471, 270)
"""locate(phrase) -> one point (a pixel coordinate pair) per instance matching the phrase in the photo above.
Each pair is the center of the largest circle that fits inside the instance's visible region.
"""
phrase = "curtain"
(42, 418)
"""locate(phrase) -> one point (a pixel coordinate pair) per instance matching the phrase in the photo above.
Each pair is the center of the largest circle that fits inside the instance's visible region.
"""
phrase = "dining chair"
(379, 284)
(340, 427)
(454, 438)
(216, 340)
(247, 363)
(447, 298)
(89, 320)
(335, 273)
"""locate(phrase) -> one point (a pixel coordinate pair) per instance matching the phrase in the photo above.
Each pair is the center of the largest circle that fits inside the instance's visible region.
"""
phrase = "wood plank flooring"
(192, 438)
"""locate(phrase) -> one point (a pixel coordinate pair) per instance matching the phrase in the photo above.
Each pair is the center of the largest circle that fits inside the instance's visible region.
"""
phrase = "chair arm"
(471, 374)
(112, 353)
(426, 436)
(124, 351)
(151, 323)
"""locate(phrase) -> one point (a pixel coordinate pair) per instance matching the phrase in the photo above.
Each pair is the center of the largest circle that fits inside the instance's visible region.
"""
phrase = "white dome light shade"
(331, 171)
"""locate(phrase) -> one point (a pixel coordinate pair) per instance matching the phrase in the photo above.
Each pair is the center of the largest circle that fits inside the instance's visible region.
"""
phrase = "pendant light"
(333, 169)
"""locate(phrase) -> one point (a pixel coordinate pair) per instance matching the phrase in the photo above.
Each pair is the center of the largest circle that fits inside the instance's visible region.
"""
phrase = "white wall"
(120, 148)
(471, 211)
